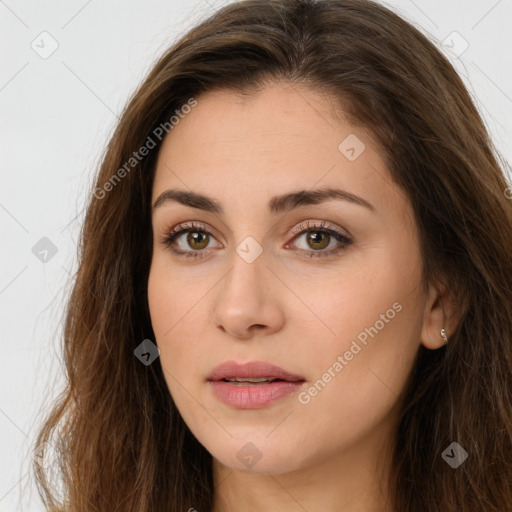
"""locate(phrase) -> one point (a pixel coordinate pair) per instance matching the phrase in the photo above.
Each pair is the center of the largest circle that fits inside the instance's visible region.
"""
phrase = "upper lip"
(251, 369)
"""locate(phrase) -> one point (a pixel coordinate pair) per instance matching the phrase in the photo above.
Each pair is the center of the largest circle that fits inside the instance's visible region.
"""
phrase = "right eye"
(197, 239)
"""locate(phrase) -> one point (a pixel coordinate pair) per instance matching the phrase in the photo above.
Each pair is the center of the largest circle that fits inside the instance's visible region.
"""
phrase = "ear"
(441, 311)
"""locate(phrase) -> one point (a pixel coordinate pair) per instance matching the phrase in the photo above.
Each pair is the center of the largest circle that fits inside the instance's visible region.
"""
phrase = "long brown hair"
(122, 443)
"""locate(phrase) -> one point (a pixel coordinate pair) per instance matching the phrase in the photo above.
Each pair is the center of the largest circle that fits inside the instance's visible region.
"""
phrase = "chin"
(255, 454)
(271, 465)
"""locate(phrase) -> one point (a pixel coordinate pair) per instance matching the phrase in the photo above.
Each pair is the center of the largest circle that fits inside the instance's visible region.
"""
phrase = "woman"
(295, 282)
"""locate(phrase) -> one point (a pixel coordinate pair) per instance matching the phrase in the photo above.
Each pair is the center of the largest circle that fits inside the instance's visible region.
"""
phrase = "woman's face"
(325, 286)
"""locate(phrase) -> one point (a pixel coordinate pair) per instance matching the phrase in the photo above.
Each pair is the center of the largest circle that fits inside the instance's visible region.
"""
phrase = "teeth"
(249, 379)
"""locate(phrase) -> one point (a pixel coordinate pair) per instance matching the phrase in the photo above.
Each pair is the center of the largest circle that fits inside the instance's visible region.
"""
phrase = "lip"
(252, 396)
(251, 369)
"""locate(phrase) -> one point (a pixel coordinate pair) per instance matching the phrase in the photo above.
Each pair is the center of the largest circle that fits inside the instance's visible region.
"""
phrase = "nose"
(248, 300)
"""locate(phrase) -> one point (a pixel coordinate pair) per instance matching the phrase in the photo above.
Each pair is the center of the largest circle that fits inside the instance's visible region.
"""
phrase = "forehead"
(282, 138)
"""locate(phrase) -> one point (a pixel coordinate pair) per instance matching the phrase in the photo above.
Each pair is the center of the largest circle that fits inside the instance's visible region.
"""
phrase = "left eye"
(318, 238)
(198, 238)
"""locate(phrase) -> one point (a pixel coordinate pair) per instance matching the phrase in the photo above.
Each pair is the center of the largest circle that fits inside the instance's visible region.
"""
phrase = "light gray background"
(57, 116)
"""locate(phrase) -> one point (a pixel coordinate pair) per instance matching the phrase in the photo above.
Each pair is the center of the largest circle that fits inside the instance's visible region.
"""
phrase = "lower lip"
(253, 396)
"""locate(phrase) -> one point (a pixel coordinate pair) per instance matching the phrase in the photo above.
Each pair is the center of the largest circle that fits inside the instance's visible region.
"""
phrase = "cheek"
(160, 300)
(348, 300)
(167, 305)
(175, 311)
(172, 296)
(370, 333)
(177, 316)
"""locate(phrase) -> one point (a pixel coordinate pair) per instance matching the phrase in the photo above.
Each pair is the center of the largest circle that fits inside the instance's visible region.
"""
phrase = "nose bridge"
(247, 259)
(244, 298)
(243, 283)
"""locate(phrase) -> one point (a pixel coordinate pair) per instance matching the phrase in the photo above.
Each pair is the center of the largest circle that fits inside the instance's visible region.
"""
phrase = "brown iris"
(194, 237)
(319, 239)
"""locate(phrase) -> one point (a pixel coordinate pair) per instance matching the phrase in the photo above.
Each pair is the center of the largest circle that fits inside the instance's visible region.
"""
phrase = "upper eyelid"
(302, 226)
(322, 225)
(183, 227)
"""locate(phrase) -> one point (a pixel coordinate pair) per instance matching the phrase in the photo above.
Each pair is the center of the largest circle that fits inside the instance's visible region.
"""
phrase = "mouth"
(257, 381)
(252, 385)
(253, 371)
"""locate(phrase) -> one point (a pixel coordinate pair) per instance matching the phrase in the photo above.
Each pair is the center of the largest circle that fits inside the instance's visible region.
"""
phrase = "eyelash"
(169, 238)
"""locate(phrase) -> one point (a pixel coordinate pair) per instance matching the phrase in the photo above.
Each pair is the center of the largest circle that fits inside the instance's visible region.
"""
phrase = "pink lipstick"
(252, 385)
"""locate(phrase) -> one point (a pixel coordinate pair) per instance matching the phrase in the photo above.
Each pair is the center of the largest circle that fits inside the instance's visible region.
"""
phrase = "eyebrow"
(276, 205)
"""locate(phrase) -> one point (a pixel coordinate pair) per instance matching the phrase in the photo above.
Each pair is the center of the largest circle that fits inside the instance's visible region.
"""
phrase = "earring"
(443, 335)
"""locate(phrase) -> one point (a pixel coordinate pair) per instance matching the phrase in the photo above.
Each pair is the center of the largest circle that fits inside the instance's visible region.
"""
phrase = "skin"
(298, 313)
